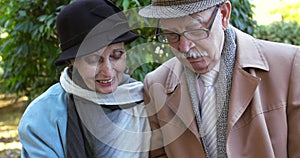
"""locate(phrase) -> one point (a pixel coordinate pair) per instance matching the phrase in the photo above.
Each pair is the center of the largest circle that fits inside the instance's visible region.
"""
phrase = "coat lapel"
(244, 84)
(181, 104)
(242, 91)
(179, 101)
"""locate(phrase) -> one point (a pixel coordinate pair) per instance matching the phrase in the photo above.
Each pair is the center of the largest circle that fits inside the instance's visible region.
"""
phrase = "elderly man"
(226, 94)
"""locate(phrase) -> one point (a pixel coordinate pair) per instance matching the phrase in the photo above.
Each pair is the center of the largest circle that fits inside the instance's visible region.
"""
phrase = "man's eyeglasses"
(197, 34)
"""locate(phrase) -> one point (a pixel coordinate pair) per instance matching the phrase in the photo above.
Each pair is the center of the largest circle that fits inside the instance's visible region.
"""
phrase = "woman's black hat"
(85, 26)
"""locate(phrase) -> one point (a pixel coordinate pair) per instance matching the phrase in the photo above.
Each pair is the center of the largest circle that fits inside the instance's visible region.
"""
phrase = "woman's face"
(102, 71)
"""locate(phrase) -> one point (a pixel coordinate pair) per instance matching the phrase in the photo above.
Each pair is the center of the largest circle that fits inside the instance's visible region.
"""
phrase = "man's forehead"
(196, 18)
(185, 22)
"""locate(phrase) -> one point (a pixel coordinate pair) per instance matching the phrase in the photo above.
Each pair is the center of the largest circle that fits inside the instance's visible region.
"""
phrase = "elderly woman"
(95, 110)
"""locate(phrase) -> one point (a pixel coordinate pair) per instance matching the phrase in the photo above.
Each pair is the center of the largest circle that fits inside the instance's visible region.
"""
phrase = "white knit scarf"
(124, 94)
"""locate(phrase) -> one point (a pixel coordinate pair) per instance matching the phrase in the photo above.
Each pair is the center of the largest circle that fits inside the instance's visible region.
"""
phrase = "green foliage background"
(31, 47)
(285, 32)
(290, 12)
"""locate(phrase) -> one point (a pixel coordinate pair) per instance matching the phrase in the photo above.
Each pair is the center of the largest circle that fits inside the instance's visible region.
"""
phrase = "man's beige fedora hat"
(176, 8)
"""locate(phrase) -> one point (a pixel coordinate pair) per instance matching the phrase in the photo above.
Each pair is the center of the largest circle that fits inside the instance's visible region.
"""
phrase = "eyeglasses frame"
(207, 30)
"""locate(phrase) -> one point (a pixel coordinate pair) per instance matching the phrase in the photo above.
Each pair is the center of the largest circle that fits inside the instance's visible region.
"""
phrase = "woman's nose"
(105, 68)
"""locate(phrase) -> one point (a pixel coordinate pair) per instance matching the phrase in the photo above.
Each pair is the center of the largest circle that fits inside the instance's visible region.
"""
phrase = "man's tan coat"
(264, 108)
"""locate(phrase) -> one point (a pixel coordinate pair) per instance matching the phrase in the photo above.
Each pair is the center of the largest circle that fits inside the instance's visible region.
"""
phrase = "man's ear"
(225, 11)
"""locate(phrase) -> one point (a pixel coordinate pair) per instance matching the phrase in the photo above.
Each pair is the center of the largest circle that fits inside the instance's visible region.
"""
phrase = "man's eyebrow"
(198, 18)
(119, 49)
(162, 27)
(195, 19)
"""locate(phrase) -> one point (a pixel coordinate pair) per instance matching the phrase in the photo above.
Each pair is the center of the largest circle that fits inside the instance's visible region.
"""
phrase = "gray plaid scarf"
(111, 125)
(223, 90)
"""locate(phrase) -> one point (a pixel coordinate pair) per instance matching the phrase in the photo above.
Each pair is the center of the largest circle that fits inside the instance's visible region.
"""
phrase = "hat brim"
(176, 11)
(66, 55)
(79, 50)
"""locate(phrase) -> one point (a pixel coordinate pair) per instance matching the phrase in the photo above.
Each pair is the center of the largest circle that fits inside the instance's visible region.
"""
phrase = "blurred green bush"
(31, 45)
(284, 32)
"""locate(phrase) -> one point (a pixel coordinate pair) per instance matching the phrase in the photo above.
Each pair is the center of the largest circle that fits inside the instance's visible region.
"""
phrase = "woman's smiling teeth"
(105, 81)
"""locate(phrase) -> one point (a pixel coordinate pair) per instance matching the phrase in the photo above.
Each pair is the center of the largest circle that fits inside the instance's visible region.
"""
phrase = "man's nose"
(185, 44)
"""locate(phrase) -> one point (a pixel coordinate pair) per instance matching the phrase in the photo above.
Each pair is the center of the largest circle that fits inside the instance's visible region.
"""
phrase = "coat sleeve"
(156, 148)
(293, 109)
(42, 129)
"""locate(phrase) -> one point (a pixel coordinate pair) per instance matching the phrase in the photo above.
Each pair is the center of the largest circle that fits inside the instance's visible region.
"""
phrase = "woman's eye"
(117, 54)
(92, 59)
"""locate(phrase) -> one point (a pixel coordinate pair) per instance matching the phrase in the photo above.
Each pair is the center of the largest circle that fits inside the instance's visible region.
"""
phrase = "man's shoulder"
(265, 46)
(276, 46)
(170, 67)
(168, 75)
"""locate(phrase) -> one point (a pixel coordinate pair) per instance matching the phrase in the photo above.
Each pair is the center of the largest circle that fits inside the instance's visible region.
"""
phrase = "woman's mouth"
(107, 82)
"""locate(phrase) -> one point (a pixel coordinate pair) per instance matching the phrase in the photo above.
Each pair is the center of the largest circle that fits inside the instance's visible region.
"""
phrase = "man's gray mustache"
(192, 54)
